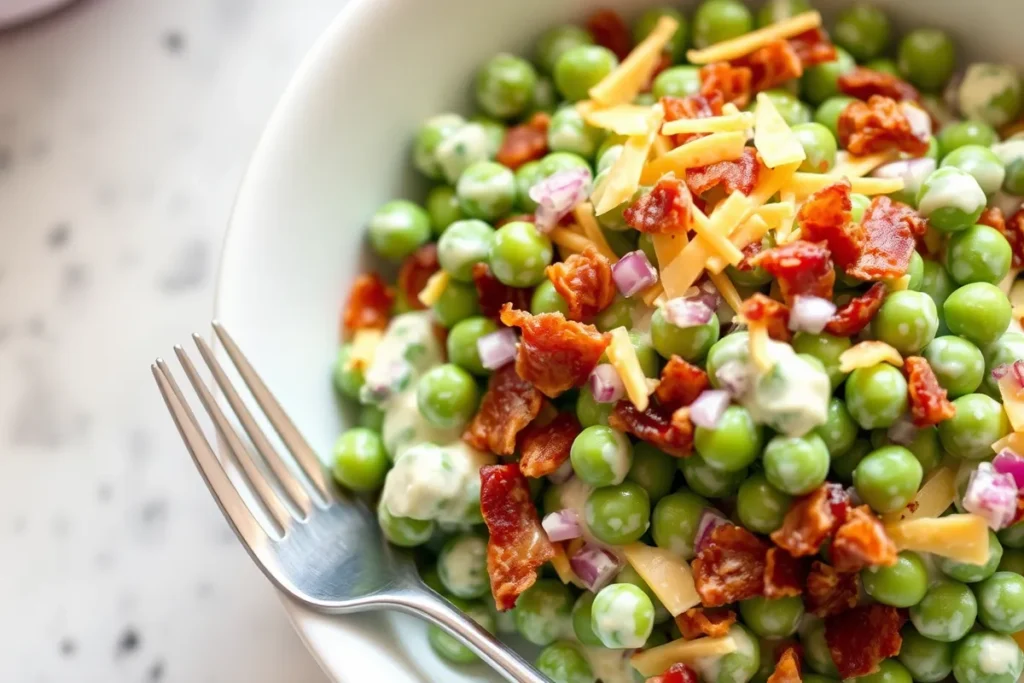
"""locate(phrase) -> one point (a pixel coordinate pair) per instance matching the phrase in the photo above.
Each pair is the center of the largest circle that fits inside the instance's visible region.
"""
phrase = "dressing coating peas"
(733, 444)
(546, 299)
(446, 396)
(568, 132)
(990, 93)
(760, 506)
(962, 133)
(972, 573)
(718, 20)
(951, 199)
(464, 244)
(925, 447)
(554, 42)
(466, 145)
(796, 465)
(816, 652)
(732, 347)
(462, 340)
(978, 311)
(980, 162)
(486, 190)
(827, 349)
(946, 612)
(563, 662)
(646, 22)
(519, 254)
(618, 514)
(1008, 348)
(601, 456)
(348, 378)
(772, 618)
(707, 480)
(927, 660)
(504, 86)
(819, 147)
(653, 469)
(958, 364)
(927, 58)
(839, 431)
(1001, 602)
(451, 648)
(397, 228)
(457, 302)
(677, 81)
(629, 575)
(986, 657)
(580, 68)
(360, 461)
(821, 81)
(543, 611)
(589, 412)
(581, 620)
(462, 566)
(443, 208)
(829, 110)
(622, 616)
(403, 531)
(775, 11)
(675, 521)
(876, 396)
(901, 585)
(738, 666)
(907, 321)
(862, 30)
(494, 132)
(888, 478)
(978, 254)
(690, 343)
(793, 111)
(428, 137)
(936, 282)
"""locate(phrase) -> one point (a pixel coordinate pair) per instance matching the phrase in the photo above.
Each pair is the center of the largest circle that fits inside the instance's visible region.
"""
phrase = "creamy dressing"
(464, 566)
(982, 87)
(710, 668)
(425, 154)
(616, 625)
(609, 666)
(463, 147)
(566, 133)
(792, 397)
(616, 454)
(952, 190)
(998, 656)
(1009, 151)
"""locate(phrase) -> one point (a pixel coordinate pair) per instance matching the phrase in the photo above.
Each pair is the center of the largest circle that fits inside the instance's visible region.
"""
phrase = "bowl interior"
(338, 146)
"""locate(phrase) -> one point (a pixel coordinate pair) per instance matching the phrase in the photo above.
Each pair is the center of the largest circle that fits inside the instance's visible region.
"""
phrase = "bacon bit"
(657, 426)
(863, 83)
(733, 83)
(493, 294)
(928, 403)
(787, 670)
(691, 107)
(738, 175)
(555, 354)
(891, 229)
(681, 383)
(861, 542)
(813, 47)
(545, 448)
(825, 217)
(677, 673)
(859, 639)
(585, 282)
(1013, 230)
(610, 31)
(517, 545)
(772, 65)
(509, 404)
(857, 313)
(713, 623)
(369, 305)
(784, 575)
(775, 315)
(667, 208)
(993, 217)
(415, 271)
(830, 592)
(525, 142)
(801, 268)
(730, 566)
(749, 252)
(811, 519)
(878, 125)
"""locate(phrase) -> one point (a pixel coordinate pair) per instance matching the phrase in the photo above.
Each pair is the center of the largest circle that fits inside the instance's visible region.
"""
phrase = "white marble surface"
(125, 126)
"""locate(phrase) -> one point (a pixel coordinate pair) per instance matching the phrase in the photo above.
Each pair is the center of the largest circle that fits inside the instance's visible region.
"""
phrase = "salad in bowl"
(703, 359)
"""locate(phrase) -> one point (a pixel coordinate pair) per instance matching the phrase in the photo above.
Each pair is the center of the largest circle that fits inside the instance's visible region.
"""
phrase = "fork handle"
(424, 603)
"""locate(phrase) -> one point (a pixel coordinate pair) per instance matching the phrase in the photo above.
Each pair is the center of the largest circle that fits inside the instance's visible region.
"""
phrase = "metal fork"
(315, 543)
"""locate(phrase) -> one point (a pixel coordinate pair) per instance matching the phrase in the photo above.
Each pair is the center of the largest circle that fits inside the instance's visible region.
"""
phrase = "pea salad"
(704, 361)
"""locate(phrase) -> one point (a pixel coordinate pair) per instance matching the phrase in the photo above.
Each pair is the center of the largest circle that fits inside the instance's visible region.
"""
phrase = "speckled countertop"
(125, 126)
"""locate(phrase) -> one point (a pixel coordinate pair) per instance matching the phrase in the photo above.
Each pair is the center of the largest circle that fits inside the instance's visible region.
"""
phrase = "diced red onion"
(903, 431)
(605, 384)
(558, 194)
(1009, 204)
(497, 349)
(594, 566)
(687, 312)
(992, 495)
(810, 314)
(734, 377)
(912, 171)
(634, 273)
(709, 294)
(919, 119)
(709, 519)
(563, 474)
(1008, 462)
(999, 371)
(1018, 372)
(707, 409)
(563, 525)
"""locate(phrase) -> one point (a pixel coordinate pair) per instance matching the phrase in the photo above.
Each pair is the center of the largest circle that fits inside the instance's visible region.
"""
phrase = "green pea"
(821, 81)
(936, 282)
(621, 241)
(760, 506)
(486, 190)
(990, 93)
(901, 585)
(732, 347)
(740, 665)
(457, 302)
(494, 131)
(622, 616)
(442, 208)
(982, 163)
(677, 81)
(646, 22)
(451, 648)
(888, 478)
(601, 456)
(829, 110)
(589, 412)
(360, 462)
(556, 41)
(580, 68)
(985, 657)
(348, 379)
(653, 469)
(876, 396)
(819, 147)
(978, 423)
(563, 662)
(927, 58)
(775, 11)
(1007, 349)
(404, 531)
(733, 444)
(753, 278)
(464, 244)
(646, 245)
(962, 133)
(796, 465)
(884, 65)
(719, 20)
(1012, 561)
(924, 446)
(707, 480)
(978, 311)
(372, 418)
(544, 611)
(581, 612)
(568, 132)
(927, 660)
(519, 254)
(462, 566)
(863, 31)
(839, 431)
(504, 86)
(978, 254)
(816, 652)
(1001, 602)
(793, 111)
(675, 520)
(827, 349)
(462, 339)
(433, 131)
(958, 364)
(447, 396)
(972, 573)
(398, 228)
(772, 618)
(629, 575)
(951, 199)
(618, 314)
(645, 353)
(889, 671)
(1011, 154)
(618, 514)
(690, 343)
(546, 299)
(527, 175)
(946, 612)
(467, 145)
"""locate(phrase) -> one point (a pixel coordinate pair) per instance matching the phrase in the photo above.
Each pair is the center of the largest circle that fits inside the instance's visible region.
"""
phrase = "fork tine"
(255, 480)
(282, 424)
(210, 468)
(294, 493)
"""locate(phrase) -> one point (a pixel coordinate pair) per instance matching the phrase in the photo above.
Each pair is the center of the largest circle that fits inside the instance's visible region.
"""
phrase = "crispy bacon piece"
(860, 638)
(813, 47)
(787, 670)
(681, 383)
(878, 125)
(928, 403)
(525, 142)
(812, 519)
(825, 217)
(585, 282)
(509, 404)
(369, 305)
(891, 229)
(749, 252)
(772, 65)
(993, 217)
(667, 208)
(493, 294)
(677, 673)
(545, 447)
(830, 592)
(733, 83)
(517, 544)
(713, 623)
(415, 271)
(861, 542)
(801, 268)
(739, 175)
(1013, 230)
(691, 107)
(555, 354)
(863, 83)
(730, 566)
(659, 426)
(775, 314)
(610, 31)
(784, 574)
(857, 313)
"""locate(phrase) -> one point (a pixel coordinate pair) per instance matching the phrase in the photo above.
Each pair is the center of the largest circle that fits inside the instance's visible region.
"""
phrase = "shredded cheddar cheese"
(858, 167)
(715, 229)
(897, 284)
(434, 288)
(624, 176)
(622, 119)
(934, 498)
(584, 214)
(804, 184)
(364, 347)
(785, 227)
(626, 81)
(572, 241)
(661, 147)
(727, 123)
(700, 152)
(622, 356)
(753, 229)
(867, 354)
(560, 562)
(666, 573)
(729, 50)
(656, 660)
(667, 247)
(759, 346)
(775, 142)
(1014, 441)
(1013, 401)
(963, 538)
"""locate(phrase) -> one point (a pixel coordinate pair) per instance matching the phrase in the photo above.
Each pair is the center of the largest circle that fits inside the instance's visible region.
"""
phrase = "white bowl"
(337, 147)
